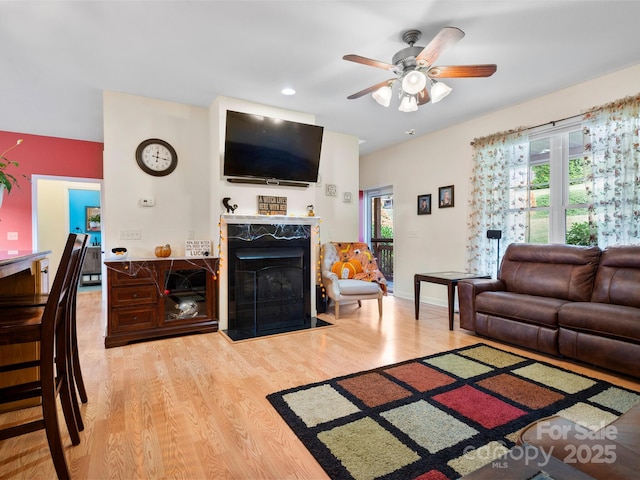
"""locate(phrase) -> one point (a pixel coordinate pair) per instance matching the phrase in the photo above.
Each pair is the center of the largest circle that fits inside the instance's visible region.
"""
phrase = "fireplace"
(268, 279)
(269, 293)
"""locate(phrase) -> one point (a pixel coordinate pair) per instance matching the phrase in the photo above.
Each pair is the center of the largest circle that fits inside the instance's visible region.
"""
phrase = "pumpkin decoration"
(347, 269)
(163, 250)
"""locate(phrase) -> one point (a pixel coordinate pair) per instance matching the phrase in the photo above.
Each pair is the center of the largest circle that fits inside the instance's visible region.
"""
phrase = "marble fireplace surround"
(276, 223)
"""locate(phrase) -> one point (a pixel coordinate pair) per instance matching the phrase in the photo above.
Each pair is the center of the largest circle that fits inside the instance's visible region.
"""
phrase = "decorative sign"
(268, 205)
(197, 248)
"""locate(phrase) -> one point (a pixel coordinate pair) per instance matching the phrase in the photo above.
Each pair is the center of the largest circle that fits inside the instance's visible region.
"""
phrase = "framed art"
(445, 197)
(92, 215)
(424, 204)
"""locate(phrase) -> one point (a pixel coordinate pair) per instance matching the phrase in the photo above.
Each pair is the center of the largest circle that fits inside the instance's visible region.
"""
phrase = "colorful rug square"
(438, 417)
(483, 408)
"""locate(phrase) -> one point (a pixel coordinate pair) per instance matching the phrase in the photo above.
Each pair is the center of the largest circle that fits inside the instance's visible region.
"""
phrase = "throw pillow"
(347, 269)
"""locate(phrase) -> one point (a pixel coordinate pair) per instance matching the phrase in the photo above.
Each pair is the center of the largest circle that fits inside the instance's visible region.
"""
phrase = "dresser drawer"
(133, 295)
(130, 273)
(132, 319)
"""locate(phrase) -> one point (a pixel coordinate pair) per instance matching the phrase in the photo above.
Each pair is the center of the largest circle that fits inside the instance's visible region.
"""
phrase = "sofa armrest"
(330, 281)
(467, 291)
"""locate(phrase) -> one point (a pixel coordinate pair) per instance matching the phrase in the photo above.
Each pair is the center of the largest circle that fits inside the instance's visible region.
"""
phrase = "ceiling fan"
(414, 68)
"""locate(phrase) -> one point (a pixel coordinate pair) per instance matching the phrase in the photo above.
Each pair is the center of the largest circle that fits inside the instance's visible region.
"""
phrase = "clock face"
(156, 157)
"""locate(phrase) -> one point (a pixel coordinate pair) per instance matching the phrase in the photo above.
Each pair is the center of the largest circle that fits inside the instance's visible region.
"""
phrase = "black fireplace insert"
(269, 280)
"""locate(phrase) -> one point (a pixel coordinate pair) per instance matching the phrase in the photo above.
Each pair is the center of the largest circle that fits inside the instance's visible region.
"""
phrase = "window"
(577, 182)
(379, 229)
(549, 194)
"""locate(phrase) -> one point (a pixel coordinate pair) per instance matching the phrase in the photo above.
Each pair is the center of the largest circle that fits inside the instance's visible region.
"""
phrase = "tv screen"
(270, 148)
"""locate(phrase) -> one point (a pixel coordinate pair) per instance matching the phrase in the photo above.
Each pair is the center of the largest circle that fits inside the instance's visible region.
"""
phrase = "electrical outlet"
(130, 234)
(12, 235)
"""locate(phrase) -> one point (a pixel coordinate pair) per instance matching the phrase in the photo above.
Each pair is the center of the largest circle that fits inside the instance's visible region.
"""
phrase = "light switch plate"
(331, 190)
(346, 197)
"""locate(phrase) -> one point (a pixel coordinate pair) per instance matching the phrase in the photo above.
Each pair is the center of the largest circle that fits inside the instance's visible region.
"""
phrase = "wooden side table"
(450, 279)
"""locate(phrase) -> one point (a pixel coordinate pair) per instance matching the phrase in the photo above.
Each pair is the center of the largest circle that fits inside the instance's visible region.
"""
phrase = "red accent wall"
(39, 155)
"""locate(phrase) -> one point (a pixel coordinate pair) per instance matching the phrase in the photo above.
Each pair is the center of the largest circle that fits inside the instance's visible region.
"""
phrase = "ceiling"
(57, 57)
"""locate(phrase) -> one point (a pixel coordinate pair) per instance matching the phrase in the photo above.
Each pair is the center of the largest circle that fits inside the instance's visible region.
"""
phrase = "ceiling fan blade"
(373, 88)
(462, 71)
(443, 40)
(423, 96)
(368, 61)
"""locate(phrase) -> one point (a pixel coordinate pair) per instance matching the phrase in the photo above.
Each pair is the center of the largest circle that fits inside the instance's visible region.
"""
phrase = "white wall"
(189, 201)
(181, 198)
(437, 242)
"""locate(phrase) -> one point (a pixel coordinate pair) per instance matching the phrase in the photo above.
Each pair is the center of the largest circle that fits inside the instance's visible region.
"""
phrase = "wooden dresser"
(151, 298)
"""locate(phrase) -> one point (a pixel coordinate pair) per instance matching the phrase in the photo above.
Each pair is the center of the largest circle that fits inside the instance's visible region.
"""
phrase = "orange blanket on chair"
(360, 252)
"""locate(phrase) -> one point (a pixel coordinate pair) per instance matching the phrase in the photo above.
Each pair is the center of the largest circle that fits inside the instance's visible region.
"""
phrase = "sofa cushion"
(357, 287)
(565, 272)
(517, 306)
(615, 321)
(618, 277)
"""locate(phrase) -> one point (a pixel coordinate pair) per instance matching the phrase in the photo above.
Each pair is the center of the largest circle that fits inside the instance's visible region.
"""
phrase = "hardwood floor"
(195, 406)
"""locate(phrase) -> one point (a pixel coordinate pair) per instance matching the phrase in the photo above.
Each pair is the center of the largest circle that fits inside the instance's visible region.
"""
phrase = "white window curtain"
(498, 198)
(614, 142)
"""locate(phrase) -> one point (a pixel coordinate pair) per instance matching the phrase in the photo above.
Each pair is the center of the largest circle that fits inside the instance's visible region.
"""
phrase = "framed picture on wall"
(445, 197)
(424, 204)
(93, 219)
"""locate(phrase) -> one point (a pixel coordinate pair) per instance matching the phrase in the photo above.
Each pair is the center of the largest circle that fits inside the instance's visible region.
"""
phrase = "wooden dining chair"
(40, 300)
(51, 328)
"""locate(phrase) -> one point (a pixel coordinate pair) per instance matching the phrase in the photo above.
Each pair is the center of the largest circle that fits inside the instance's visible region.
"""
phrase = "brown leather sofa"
(577, 302)
(613, 451)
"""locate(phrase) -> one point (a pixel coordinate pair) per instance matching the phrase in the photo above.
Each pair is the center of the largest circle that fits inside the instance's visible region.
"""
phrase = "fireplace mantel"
(240, 219)
(270, 219)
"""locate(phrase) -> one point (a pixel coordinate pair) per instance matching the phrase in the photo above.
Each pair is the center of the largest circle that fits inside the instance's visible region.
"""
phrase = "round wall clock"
(156, 157)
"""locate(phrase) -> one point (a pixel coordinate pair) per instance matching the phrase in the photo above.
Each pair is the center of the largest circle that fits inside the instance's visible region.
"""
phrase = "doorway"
(378, 228)
(52, 218)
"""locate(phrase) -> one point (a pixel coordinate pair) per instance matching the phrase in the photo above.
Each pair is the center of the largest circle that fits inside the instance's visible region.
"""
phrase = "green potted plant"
(94, 221)
(7, 181)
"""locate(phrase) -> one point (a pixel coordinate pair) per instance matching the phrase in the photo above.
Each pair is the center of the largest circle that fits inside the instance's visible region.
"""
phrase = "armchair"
(367, 284)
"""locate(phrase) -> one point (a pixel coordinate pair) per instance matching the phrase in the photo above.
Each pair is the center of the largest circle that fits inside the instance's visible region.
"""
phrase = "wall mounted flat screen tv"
(272, 149)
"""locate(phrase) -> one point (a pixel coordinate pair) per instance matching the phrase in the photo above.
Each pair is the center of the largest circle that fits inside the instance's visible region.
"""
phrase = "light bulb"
(438, 91)
(383, 95)
(408, 104)
(413, 82)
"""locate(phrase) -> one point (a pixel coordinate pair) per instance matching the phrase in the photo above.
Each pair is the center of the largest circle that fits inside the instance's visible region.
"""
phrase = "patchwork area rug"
(439, 417)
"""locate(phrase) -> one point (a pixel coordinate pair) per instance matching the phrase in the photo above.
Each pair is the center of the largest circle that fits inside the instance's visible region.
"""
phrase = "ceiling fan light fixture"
(408, 104)
(413, 82)
(439, 90)
(383, 95)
